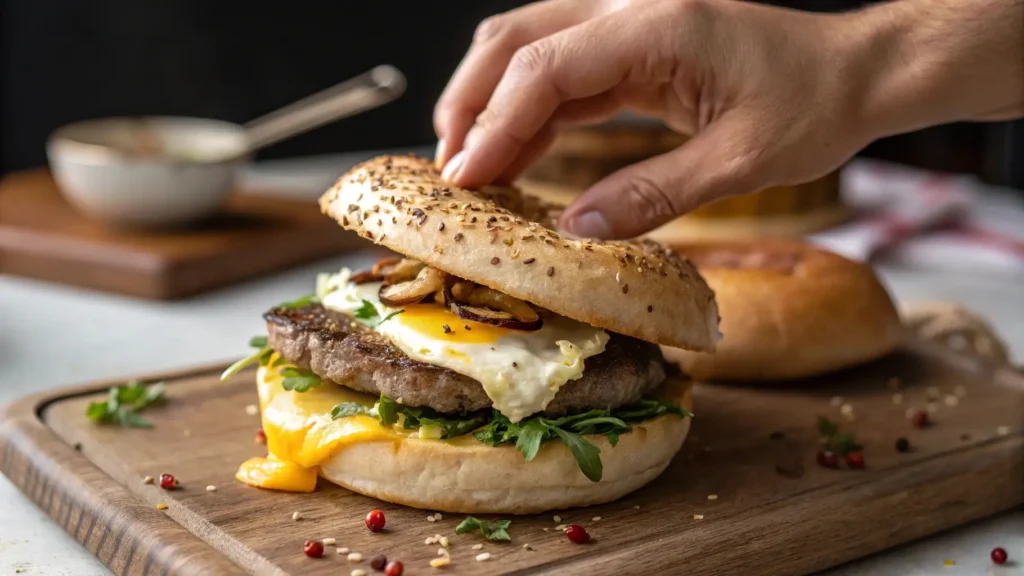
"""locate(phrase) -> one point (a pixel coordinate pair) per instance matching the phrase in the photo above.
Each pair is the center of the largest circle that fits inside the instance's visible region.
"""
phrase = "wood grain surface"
(43, 237)
(776, 511)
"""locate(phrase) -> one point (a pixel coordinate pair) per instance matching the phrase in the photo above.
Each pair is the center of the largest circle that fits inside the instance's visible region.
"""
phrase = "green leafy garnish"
(300, 302)
(390, 316)
(496, 530)
(366, 311)
(839, 443)
(124, 403)
(261, 355)
(347, 409)
(298, 380)
(388, 412)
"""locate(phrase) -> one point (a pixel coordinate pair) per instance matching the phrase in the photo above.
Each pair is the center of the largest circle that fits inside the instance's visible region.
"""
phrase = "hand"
(771, 96)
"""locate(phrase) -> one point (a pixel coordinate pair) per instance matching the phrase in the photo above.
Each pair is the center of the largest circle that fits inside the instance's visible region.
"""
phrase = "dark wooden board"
(962, 468)
(43, 237)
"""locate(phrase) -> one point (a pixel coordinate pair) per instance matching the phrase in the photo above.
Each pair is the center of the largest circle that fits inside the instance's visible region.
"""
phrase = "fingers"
(496, 40)
(579, 63)
(719, 162)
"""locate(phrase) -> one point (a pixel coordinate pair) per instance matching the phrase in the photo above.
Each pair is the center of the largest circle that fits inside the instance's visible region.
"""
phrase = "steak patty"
(334, 347)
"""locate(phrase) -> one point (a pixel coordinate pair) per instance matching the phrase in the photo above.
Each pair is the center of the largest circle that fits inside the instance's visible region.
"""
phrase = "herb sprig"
(124, 403)
(261, 354)
(840, 443)
(367, 311)
(496, 530)
(527, 435)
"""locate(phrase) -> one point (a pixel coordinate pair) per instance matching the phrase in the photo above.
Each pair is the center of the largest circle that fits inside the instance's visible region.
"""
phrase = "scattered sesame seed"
(437, 516)
(650, 308)
(836, 401)
(495, 260)
(342, 550)
(1003, 430)
(296, 515)
(561, 527)
(355, 557)
(161, 506)
(952, 400)
(529, 261)
(444, 541)
(478, 546)
(252, 410)
(458, 236)
(439, 562)
(698, 516)
(442, 552)
(527, 547)
(466, 326)
(551, 271)
(431, 519)
(897, 398)
(545, 529)
(712, 496)
(483, 556)
(625, 288)
(358, 572)
(211, 488)
(147, 480)
(596, 519)
(557, 518)
(328, 541)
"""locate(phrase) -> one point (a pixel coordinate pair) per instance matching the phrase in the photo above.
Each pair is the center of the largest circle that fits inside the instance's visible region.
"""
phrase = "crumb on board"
(252, 409)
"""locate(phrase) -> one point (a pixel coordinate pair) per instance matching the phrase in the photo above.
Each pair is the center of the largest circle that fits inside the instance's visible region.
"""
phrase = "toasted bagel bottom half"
(789, 310)
(466, 476)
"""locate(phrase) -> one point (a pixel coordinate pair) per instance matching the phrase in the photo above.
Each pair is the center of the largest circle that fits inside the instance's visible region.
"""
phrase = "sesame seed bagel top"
(503, 239)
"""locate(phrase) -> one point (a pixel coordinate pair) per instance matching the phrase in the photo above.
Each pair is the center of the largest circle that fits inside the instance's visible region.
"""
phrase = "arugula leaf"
(594, 422)
(261, 355)
(299, 380)
(388, 317)
(531, 435)
(588, 457)
(347, 409)
(387, 411)
(366, 311)
(497, 530)
(613, 438)
(300, 302)
(124, 403)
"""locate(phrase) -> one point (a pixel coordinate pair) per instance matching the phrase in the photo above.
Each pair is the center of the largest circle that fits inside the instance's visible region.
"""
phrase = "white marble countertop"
(41, 348)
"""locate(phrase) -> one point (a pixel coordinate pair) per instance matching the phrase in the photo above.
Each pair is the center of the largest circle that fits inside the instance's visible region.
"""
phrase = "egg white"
(520, 371)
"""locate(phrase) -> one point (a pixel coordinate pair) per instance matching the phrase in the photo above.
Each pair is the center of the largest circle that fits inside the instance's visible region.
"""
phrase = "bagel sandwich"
(790, 310)
(490, 366)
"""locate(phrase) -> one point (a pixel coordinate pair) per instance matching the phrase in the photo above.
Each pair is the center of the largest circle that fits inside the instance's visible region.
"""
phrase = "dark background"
(68, 60)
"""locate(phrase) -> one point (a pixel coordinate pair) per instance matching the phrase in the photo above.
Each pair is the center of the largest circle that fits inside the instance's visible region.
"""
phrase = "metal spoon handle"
(365, 92)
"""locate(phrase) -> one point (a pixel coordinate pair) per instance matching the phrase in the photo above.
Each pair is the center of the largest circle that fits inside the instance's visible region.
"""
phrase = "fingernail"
(453, 166)
(438, 152)
(589, 225)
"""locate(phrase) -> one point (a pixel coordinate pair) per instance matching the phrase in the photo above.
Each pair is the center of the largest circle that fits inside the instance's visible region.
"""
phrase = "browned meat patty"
(335, 348)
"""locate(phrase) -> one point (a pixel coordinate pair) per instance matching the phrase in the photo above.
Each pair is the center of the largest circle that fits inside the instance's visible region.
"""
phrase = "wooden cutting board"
(43, 237)
(776, 511)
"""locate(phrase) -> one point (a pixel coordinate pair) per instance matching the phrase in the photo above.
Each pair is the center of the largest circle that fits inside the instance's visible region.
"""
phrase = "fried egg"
(520, 371)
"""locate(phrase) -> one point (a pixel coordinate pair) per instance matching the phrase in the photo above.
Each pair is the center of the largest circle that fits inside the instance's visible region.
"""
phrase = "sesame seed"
(343, 550)
(211, 488)
(712, 496)
(698, 516)
(355, 557)
(527, 547)
(358, 572)
(147, 480)
(596, 519)
(836, 401)
(478, 546)
(1003, 430)
(495, 260)
(529, 261)
(483, 556)
(431, 519)
(952, 400)
(561, 527)
(296, 515)
(329, 541)
(440, 227)
(650, 308)
(252, 410)
(557, 518)
(551, 271)
(625, 288)
(458, 236)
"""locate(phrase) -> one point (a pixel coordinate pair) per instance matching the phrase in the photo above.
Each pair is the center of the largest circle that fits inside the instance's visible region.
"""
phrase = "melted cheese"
(301, 433)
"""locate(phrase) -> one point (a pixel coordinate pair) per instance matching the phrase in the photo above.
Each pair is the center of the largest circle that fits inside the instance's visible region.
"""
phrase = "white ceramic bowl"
(153, 172)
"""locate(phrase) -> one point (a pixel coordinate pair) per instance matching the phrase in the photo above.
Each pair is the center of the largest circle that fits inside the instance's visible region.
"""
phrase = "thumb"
(718, 162)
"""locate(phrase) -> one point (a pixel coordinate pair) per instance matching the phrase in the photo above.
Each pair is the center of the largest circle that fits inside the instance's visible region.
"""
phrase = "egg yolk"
(432, 319)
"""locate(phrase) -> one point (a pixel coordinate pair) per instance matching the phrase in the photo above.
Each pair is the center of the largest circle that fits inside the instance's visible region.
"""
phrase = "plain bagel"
(503, 239)
(789, 310)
